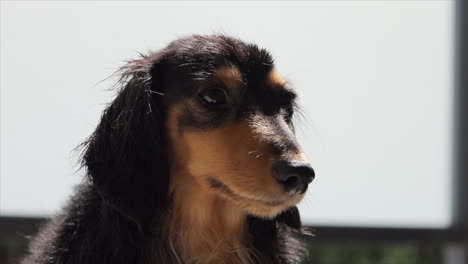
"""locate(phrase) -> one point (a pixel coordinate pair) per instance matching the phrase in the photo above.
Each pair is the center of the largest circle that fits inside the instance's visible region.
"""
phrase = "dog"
(194, 161)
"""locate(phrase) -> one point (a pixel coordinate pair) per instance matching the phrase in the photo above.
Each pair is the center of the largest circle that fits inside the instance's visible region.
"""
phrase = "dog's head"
(217, 113)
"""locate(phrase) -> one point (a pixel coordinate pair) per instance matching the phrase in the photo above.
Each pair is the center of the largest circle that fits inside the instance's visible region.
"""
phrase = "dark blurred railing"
(26, 226)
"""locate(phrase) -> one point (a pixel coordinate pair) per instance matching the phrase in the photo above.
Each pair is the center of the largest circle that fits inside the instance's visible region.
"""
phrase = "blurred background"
(380, 83)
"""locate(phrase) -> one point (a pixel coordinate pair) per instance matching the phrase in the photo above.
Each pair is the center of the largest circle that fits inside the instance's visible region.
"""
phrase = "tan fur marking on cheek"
(230, 76)
(177, 151)
(234, 156)
(204, 228)
(173, 133)
(171, 126)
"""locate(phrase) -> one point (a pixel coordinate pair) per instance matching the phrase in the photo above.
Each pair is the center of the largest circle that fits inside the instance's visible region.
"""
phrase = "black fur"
(118, 213)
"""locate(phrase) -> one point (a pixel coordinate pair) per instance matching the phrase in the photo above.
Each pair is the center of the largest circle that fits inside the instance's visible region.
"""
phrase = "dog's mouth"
(220, 186)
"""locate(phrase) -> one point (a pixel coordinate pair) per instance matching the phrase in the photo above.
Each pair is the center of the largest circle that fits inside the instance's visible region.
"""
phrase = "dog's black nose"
(294, 176)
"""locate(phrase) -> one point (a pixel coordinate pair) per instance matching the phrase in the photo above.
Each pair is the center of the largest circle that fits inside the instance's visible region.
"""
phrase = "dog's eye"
(213, 96)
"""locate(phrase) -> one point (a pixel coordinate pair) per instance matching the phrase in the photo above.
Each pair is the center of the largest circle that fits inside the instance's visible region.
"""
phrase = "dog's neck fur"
(205, 228)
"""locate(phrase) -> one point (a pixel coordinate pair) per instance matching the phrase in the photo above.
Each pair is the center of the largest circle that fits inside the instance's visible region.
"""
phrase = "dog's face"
(229, 127)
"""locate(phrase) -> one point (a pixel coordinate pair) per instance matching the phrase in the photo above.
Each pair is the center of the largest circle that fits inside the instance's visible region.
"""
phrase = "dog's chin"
(263, 211)
(254, 205)
(269, 211)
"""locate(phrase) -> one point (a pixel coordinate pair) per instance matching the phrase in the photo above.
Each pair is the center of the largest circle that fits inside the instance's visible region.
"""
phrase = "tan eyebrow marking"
(275, 80)
(230, 76)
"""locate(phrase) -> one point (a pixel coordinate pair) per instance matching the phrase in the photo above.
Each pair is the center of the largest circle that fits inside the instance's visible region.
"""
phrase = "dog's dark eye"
(213, 97)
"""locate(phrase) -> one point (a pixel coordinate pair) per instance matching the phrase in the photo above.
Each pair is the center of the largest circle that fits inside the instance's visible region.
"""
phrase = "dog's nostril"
(291, 181)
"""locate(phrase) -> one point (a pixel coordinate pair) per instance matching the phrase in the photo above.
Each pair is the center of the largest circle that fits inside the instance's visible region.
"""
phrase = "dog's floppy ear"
(125, 156)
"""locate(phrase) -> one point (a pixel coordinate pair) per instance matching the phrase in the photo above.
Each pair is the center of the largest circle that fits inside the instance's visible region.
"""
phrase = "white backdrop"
(375, 79)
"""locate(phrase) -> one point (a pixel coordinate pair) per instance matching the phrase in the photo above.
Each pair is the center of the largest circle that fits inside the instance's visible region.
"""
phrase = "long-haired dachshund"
(194, 161)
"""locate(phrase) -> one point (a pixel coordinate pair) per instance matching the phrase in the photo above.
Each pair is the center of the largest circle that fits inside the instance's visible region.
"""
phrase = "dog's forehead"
(245, 71)
(227, 59)
(232, 77)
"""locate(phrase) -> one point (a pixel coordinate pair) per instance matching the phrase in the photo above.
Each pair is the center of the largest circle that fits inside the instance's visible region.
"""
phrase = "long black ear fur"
(279, 239)
(125, 156)
(111, 217)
